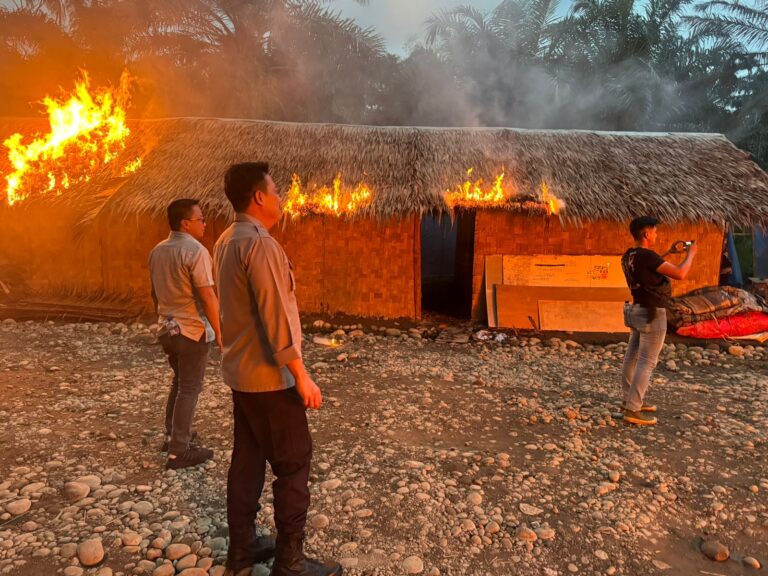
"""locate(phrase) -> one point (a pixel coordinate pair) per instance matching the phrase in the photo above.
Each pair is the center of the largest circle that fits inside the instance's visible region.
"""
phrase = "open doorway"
(447, 246)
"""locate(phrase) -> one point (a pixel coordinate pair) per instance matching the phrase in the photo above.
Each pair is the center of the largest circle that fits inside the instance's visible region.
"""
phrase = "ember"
(87, 132)
(334, 201)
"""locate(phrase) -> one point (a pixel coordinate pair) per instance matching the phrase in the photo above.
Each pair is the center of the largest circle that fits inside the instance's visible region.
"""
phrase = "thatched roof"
(600, 175)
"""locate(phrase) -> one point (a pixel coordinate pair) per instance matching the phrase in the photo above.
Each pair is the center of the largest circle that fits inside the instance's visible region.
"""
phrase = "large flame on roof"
(87, 131)
(474, 193)
(336, 200)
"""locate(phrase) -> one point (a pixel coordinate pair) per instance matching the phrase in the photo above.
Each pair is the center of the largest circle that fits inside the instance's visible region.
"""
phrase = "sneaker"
(638, 418)
(194, 440)
(193, 456)
(644, 408)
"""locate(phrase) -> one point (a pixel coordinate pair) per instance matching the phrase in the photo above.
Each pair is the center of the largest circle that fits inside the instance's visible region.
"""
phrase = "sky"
(402, 21)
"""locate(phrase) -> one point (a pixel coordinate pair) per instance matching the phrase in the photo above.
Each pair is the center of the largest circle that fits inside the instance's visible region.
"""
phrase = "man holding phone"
(648, 278)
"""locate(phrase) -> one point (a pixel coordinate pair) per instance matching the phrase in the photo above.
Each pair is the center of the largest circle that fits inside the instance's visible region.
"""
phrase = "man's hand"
(219, 343)
(309, 392)
(693, 248)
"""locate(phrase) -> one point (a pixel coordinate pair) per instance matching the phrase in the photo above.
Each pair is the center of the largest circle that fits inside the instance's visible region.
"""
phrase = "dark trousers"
(188, 360)
(269, 427)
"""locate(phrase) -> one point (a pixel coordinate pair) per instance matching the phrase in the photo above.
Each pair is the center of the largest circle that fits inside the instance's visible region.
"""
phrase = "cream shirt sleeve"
(269, 277)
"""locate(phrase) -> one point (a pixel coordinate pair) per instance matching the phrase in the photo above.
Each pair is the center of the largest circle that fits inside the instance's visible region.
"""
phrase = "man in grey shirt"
(271, 388)
(181, 276)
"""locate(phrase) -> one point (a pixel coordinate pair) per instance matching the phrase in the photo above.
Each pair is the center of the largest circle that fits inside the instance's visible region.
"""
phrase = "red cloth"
(737, 325)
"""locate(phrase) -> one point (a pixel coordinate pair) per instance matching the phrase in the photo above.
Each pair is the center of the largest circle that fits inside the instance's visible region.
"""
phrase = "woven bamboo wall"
(360, 267)
(39, 250)
(501, 232)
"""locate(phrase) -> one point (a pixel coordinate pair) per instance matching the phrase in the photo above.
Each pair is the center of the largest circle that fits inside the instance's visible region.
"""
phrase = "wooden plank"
(515, 303)
(493, 276)
(573, 316)
(559, 270)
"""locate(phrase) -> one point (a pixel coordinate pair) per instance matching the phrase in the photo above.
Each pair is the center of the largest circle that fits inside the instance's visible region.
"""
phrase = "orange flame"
(87, 132)
(553, 203)
(471, 194)
(334, 201)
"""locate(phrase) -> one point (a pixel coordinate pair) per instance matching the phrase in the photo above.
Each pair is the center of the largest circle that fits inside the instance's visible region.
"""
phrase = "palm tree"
(735, 20)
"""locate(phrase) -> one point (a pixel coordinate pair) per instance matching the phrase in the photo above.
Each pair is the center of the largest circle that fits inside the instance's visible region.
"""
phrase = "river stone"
(188, 561)
(176, 551)
(529, 510)
(131, 538)
(526, 534)
(413, 565)
(68, 550)
(74, 491)
(91, 481)
(319, 521)
(90, 552)
(18, 507)
(331, 484)
(142, 508)
(716, 551)
(193, 572)
(164, 570)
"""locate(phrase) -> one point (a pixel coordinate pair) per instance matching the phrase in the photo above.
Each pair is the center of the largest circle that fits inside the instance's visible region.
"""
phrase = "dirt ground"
(431, 457)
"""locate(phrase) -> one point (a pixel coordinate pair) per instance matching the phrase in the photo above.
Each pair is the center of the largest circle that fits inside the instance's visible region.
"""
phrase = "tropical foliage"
(606, 64)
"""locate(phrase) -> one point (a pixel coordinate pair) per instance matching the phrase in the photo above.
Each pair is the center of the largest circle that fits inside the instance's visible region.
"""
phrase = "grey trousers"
(188, 360)
(645, 342)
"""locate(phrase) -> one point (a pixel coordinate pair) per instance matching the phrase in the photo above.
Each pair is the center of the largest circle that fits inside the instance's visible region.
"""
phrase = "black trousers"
(188, 360)
(269, 427)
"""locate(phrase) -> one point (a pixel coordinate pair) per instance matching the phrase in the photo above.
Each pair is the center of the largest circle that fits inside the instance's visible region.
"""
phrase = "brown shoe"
(638, 418)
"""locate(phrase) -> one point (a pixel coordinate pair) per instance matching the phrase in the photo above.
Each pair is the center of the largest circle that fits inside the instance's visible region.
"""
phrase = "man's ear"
(258, 197)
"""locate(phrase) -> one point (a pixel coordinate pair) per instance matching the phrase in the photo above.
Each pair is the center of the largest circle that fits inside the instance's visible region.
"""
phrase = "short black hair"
(241, 180)
(638, 225)
(180, 209)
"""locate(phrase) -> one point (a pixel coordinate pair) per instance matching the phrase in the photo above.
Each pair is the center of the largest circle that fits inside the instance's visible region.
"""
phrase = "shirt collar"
(248, 219)
(178, 235)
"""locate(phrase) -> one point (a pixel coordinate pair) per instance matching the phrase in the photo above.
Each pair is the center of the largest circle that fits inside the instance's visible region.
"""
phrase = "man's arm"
(154, 295)
(210, 303)
(679, 272)
(268, 279)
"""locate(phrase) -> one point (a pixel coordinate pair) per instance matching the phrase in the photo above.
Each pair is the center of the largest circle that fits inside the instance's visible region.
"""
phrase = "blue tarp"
(760, 252)
(735, 279)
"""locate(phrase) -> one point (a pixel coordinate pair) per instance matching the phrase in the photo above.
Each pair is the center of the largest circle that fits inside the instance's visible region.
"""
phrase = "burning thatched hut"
(363, 254)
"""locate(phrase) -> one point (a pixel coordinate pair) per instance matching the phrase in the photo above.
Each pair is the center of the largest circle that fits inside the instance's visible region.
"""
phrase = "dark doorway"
(447, 246)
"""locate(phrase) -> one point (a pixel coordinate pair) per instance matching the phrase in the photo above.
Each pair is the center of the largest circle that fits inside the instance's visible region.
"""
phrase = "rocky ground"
(433, 455)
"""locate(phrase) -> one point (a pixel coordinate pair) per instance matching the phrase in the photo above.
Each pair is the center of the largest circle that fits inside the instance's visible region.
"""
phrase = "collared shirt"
(177, 266)
(261, 330)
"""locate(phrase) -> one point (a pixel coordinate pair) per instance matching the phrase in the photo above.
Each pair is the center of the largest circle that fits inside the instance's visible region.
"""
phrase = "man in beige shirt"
(188, 318)
(271, 388)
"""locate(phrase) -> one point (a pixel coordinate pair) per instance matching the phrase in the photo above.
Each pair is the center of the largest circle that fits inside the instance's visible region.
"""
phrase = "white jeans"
(645, 343)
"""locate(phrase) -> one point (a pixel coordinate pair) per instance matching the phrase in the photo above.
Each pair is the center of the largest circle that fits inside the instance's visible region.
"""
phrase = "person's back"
(181, 277)
(172, 265)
